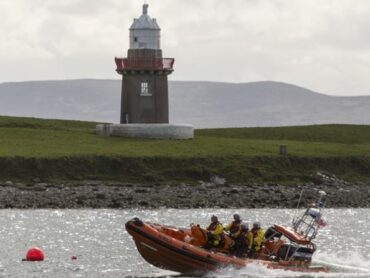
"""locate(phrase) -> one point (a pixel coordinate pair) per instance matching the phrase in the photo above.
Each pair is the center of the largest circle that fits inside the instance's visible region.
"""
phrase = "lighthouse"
(144, 94)
(144, 91)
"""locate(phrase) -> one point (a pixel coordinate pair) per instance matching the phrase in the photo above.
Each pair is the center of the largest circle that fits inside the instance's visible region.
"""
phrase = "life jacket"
(216, 232)
(255, 231)
(257, 238)
(235, 226)
(212, 226)
(241, 240)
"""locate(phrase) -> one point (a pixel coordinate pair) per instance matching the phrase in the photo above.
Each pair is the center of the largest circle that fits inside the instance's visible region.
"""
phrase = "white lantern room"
(145, 32)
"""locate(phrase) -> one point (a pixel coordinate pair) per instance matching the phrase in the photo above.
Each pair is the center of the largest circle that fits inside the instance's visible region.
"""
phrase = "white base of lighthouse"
(154, 131)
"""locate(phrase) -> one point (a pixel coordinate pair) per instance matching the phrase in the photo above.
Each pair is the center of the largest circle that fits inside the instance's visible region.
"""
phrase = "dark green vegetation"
(70, 150)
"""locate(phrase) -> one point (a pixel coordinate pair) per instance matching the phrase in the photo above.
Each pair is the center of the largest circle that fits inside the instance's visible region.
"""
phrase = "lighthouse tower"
(144, 95)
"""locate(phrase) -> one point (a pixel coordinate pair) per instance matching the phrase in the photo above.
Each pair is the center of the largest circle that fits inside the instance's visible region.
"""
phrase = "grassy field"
(57, 149)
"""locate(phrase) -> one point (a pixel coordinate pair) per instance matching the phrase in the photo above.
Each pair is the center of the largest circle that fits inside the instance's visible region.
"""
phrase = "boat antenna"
(300, 198)
(299, 202)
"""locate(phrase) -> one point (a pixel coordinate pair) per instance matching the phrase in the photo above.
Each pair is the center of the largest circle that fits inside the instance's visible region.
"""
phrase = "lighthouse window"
(135, 39)
(145, 89)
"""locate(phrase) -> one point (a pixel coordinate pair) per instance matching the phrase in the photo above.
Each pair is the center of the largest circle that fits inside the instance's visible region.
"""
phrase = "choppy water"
(104, 249)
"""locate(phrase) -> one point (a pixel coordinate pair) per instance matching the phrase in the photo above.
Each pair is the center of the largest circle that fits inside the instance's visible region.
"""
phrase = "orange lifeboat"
(180, 250)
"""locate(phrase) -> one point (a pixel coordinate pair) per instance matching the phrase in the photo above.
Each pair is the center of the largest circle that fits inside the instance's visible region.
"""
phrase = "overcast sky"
(323, 45)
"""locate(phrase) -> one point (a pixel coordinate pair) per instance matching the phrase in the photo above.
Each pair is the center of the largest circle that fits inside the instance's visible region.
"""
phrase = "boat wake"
(347, 266)
(349, 262)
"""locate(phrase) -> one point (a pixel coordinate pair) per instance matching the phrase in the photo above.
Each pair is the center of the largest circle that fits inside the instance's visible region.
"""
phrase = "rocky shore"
(215, 194)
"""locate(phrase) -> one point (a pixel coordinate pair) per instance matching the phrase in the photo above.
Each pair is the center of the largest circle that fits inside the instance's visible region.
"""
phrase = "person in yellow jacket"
(215, 230)
(234, 227)
(242, 241)
(256, 244)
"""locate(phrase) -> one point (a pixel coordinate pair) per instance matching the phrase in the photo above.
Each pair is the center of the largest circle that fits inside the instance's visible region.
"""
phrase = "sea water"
(104, 249)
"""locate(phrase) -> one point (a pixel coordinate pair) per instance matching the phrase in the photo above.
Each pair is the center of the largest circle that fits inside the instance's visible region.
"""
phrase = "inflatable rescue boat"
(181, 250)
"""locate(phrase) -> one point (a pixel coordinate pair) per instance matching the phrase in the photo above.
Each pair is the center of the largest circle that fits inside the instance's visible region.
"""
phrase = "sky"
(323, 45)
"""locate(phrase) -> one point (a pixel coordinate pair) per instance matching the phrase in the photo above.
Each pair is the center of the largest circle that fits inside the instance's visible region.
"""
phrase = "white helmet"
(244, 226)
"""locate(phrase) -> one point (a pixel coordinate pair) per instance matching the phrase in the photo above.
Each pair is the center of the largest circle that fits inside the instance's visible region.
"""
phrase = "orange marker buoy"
(34, 254)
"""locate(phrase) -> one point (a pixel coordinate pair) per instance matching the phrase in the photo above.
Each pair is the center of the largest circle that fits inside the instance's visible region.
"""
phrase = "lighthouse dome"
(145, 32)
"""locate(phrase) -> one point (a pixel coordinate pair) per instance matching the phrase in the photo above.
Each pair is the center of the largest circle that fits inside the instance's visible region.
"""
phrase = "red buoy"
(74, 257)
(35, 254)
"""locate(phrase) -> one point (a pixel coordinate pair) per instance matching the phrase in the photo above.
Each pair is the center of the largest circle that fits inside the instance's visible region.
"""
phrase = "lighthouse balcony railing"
(144, 64)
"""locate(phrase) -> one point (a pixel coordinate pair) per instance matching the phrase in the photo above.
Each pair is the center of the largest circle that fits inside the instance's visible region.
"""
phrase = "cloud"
(319, 44)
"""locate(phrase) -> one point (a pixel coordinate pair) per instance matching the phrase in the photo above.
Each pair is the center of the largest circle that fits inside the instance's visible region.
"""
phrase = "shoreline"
(98, 194)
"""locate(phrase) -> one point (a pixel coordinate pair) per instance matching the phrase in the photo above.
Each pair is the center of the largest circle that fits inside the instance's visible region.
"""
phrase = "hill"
(69, 150)
(204, 104)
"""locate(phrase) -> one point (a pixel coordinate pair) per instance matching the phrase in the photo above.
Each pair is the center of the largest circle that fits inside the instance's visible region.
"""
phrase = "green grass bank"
(56, 150)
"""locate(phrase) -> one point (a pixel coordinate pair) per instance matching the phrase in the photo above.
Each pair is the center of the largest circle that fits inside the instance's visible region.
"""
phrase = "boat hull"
(160, 253)
(169, 253)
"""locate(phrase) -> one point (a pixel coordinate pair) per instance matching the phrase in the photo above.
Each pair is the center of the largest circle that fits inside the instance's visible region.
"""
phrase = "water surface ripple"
(104, 249)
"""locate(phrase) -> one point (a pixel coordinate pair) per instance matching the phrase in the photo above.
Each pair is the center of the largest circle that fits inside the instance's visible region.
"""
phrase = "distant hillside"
(205, 104)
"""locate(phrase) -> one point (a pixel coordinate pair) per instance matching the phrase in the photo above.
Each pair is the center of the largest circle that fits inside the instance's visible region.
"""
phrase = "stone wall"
(158, 131)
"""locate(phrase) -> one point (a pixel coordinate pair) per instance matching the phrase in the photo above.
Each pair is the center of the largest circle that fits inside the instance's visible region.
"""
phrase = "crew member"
(234, 227)
(241, 242)
(256, 244)
(215, 230)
